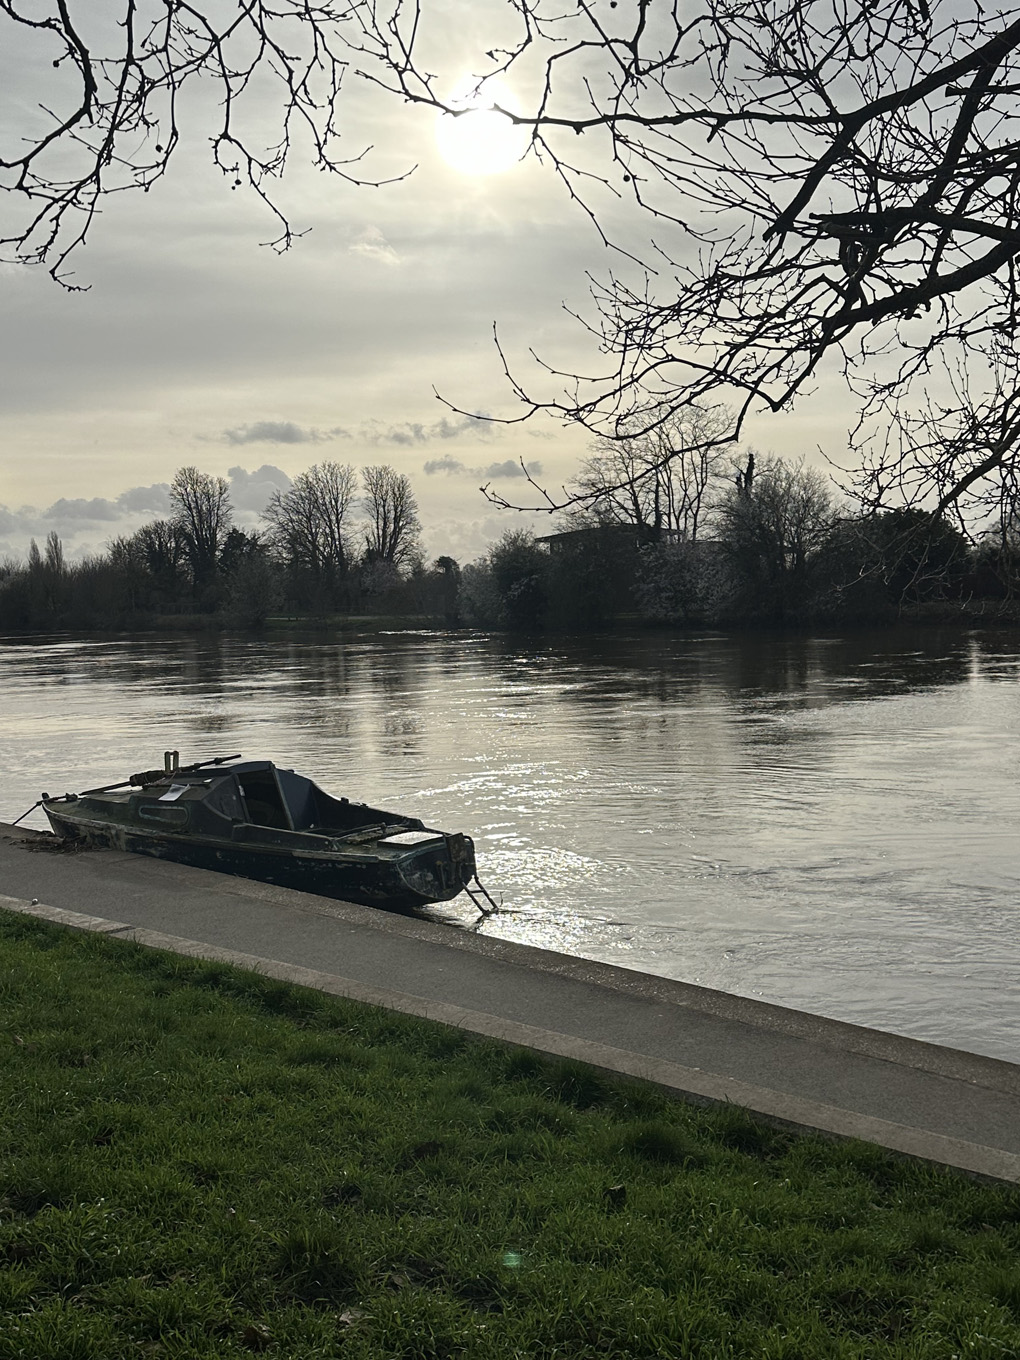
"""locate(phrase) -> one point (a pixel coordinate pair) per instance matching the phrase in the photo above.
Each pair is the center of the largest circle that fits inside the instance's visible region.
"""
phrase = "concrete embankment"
(920, 1099)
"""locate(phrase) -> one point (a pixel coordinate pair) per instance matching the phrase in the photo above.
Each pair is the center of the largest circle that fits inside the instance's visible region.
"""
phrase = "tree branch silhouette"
(824, 188)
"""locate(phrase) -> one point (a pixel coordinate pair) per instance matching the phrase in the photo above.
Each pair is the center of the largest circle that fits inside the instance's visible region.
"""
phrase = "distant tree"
(164, 548)
(309, 526)
(520, 584)
(129, 573)
(773, 533)
(995, 568)
(202, 513)
(684, 583)
(47, 583)
(393, 534)
(448, 574)
(659, 480)
(252, 579)
(97, 594)
(151, 565)
(519, 570)
(238, 547)
(54, 554)
(918, 556)
(478, 603)
(995, 556)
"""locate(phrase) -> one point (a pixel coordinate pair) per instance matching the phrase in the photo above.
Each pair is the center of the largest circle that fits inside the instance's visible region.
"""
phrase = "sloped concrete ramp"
(922, 1100)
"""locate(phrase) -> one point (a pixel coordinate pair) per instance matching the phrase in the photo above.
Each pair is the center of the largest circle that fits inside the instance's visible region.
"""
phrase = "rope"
(25, 814)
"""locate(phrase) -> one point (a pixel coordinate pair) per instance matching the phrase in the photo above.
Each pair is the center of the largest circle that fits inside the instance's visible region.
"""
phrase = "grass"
(197, 1162)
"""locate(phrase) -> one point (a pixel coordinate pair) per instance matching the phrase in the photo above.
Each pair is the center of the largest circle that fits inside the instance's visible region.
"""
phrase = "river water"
(829, 823)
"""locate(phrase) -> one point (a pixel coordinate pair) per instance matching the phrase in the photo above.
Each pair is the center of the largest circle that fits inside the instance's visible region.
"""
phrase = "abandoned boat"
(259, 821)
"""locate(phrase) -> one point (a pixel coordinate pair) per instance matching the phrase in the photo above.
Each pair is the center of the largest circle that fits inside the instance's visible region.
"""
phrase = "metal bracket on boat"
(481, 897)
(171, 761)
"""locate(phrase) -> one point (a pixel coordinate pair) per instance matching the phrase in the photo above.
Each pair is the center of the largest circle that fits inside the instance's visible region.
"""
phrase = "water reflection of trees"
(745, 670)
(584, 670)
(996, 655)
(726, 704)
(639, 685)
(142, 661)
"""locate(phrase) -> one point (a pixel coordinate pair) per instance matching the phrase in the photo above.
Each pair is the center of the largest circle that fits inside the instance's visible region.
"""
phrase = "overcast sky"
(196, 345)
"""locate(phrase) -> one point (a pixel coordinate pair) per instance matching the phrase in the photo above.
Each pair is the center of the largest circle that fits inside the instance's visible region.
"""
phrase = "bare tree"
(832, 185)
(202, 514)
(657, 481)
(394, 529)
(772, 529)
(151, 564)
(957, 454)
(164, 550)
(111, 81)
(54, 553)
(827, 184)
(309, 522)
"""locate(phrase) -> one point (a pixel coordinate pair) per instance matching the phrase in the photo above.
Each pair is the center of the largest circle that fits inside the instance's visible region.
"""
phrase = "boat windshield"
(263, 801)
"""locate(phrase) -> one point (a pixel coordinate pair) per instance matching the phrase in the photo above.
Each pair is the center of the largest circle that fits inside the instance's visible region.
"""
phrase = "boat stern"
(434, 865)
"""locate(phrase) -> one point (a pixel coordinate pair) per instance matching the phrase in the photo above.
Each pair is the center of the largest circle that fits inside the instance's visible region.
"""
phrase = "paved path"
(922, 1099)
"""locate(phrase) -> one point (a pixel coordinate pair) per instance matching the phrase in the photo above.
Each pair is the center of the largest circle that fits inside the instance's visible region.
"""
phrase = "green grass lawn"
(196, 1161)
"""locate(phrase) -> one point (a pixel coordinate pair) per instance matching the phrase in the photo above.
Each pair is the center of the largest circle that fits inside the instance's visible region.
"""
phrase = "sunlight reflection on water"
(827, 823)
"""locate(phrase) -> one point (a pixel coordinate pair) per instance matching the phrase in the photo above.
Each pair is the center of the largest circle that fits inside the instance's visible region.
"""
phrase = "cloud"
(70, 518)
(252, 490)
(451, 465)
(417, 432)
(464, 537)
(23, 521)
(137, 500)
(279, 432)
(87, 525)
(406, 435)
(98, 508)
(153, 499)
(451, 429)
(510, 468)
(371, 244)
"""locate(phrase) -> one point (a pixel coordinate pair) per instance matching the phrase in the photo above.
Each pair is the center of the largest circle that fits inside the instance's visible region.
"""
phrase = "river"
(829, 823)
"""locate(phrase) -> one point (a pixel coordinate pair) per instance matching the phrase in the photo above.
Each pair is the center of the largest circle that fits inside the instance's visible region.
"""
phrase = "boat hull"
(432, 873)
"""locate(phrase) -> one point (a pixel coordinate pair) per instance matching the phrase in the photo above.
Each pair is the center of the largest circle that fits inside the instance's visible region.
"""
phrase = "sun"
(480, 141)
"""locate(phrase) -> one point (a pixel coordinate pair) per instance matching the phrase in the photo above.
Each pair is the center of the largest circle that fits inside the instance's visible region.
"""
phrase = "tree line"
(778, 555)
(333, 542)
(667, 529)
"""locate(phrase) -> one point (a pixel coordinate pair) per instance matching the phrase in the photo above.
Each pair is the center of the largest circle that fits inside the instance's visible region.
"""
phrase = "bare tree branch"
(827, 188)
(122, 80)
(838, 184)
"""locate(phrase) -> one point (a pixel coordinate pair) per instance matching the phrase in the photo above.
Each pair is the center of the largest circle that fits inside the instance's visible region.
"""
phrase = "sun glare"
(480, 141)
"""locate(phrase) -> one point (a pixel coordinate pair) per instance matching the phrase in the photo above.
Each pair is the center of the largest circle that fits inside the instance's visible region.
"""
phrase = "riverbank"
(925, 1100)
(212, 1163)
(981, 613)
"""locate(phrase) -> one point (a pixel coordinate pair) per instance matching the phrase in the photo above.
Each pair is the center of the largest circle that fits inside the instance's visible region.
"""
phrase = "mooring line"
(25, 814)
